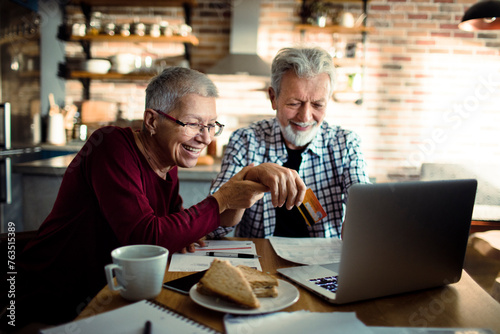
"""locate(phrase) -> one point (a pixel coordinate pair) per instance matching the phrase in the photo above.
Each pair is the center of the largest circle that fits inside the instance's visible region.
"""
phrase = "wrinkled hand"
(190, 248)
(238, 193)
(284, 183)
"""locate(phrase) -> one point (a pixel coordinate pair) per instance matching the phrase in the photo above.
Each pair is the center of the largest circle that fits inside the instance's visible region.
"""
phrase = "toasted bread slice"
(271, 291)
(263, 285)
(227, 281)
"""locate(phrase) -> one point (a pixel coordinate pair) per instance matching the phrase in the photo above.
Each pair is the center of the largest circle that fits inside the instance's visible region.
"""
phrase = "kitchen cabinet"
(86, 41)
(350, 59)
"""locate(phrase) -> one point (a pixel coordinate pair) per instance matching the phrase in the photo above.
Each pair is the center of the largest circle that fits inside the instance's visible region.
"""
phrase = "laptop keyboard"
(329, 283)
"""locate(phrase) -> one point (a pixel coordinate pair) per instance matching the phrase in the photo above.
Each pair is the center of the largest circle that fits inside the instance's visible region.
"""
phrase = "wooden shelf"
(135, 3)
(29, 74)
(110, 76)
(333, 29)
(19, 38)
(349, 1)
(191, 39)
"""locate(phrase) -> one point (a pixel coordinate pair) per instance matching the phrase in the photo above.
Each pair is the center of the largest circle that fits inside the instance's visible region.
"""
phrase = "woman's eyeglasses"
(192, 129)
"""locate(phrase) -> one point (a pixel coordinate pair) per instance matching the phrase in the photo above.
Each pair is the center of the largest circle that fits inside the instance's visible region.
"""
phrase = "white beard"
(301, 138)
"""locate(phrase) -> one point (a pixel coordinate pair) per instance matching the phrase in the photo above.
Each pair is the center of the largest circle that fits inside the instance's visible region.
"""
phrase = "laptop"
(398, 237)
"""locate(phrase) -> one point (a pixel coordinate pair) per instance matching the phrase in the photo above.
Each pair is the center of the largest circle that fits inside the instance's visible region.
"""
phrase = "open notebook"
(131, 319)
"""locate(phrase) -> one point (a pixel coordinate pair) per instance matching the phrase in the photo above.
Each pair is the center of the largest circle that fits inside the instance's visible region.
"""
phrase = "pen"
(147, 327)
(238, 255)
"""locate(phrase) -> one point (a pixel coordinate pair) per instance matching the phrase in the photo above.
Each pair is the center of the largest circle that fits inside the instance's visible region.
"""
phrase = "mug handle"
(109, 277)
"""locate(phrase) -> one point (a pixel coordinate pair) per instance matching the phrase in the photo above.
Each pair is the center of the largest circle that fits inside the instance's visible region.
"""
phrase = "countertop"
(57, 167)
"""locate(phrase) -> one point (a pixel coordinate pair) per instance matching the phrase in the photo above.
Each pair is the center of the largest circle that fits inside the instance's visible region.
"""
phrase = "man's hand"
(283, 183)
(238, 193)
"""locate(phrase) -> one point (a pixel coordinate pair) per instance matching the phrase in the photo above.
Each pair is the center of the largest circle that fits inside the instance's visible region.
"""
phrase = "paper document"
(308, 250)
(298, 322)
(199, 261)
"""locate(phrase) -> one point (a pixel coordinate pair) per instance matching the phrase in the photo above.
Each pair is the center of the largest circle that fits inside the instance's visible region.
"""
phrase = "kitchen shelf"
(86, 41)
(19, 38)
(190, 39)
(135, 3)
(110, 76)
(346, 66)
(29, 74)
(332, 29)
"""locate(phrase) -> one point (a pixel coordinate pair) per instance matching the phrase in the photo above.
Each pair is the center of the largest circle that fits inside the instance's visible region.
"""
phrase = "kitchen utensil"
(54, 108)
(99, 66)
(347, 20)
(124, 63)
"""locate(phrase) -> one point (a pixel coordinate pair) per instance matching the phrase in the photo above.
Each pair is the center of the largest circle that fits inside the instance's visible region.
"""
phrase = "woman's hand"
(190, 248)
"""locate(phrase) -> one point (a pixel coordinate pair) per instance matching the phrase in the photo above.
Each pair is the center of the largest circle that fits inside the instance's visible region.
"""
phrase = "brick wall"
(430, 90)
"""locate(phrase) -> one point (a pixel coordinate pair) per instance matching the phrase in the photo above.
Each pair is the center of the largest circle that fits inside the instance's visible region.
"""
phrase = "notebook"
(398, 237)
(131, 319)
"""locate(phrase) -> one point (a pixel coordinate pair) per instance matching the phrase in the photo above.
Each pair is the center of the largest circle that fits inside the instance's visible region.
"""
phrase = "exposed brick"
(487, 35)
(427, 8)
(415, 67)
(427, 25)
(448, 26)
(440, 34)
(439, 51)
(418, 16)
(401, 58)
(464, 52)
(426, 42)
(392, 67)
(419, 33)
(379, 7)
(441, 17)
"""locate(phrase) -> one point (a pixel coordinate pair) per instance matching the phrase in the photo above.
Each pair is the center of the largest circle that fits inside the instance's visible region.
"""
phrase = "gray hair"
(166, 89)
(306, 62)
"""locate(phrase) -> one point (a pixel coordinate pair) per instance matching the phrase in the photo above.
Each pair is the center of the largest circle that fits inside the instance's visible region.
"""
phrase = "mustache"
(303, 124)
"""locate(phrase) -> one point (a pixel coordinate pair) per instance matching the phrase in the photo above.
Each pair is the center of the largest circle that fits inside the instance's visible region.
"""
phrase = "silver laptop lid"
(406, 236)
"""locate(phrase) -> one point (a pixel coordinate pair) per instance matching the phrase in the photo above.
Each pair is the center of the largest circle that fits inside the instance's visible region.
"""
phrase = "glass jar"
(125, 29)
(95, 23)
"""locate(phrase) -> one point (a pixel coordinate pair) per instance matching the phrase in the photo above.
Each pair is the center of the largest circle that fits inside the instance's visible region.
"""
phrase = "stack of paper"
(300, 322)
(308, 250)
(199, 260)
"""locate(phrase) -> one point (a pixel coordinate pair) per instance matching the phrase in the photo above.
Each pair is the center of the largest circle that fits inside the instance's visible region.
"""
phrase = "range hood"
(243, 57)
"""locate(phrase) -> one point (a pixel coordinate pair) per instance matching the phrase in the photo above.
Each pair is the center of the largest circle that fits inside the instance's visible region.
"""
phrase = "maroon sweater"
(109, 197)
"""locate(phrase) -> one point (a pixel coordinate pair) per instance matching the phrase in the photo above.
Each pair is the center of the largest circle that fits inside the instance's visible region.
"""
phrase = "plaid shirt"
(331, 163)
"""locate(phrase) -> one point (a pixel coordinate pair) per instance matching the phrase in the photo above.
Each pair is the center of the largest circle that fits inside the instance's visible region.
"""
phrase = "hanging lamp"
(484, 15)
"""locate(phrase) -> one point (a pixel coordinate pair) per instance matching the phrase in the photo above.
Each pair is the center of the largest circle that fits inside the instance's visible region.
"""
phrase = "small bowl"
(100, 66)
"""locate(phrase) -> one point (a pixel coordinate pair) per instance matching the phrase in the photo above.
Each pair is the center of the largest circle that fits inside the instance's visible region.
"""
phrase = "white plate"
(287, 295)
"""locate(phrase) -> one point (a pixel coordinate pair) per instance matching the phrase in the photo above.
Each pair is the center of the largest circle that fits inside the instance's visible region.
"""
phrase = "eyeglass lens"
(192, 129)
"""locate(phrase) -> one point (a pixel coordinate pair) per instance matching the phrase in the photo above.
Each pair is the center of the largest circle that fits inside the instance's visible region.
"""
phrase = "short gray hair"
(166, 89)
(305, 61)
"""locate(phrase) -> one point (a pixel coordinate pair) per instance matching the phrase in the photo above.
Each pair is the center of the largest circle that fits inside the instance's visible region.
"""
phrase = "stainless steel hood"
(243, 57)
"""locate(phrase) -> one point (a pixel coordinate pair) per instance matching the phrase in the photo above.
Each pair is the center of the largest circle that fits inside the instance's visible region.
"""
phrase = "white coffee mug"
(139, 271)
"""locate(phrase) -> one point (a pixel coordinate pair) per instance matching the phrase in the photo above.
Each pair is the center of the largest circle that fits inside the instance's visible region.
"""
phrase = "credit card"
(311, 209)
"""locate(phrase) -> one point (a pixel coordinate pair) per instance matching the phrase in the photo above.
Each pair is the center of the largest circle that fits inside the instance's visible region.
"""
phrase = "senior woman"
(122, 188)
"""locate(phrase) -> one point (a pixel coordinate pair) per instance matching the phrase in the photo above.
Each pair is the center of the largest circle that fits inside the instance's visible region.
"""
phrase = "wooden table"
(463, 304)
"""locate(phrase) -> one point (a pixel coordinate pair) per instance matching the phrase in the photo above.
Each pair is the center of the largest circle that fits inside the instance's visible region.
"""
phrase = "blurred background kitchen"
(422, 93)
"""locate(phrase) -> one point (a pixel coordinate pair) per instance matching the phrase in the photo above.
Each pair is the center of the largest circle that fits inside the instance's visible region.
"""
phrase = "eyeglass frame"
(200, 126)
